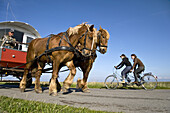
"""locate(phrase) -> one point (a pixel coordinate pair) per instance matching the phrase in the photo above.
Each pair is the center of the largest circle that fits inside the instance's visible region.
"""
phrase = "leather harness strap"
(64, 48)
(99, 36)
(49, 51)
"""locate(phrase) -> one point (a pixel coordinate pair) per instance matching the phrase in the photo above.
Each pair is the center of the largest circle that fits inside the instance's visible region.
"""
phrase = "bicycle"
(148, 81)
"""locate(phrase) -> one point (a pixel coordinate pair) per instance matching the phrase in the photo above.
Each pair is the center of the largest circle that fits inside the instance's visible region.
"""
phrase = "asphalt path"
(121, 100)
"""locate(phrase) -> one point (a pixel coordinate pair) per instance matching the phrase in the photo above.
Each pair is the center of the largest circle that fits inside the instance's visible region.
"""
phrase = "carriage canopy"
(23, 32)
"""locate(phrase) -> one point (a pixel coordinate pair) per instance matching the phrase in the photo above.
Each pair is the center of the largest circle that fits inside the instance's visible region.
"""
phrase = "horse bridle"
(99, 36)
(68, 41)
(84, 48)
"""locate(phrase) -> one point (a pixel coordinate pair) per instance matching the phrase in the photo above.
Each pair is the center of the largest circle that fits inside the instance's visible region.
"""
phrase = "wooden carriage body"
(13, 57)
(23, 33)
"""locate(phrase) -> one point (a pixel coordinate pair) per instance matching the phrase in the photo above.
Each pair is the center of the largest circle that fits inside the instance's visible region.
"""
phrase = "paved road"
(128, 101)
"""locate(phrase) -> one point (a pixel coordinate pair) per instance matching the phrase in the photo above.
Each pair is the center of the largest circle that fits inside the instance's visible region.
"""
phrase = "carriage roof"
(24, 27)
(23, 32)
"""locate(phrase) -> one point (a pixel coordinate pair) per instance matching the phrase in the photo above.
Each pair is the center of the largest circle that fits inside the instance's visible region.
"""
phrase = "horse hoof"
(53, 94)
(65, 90)
(22, 90)
(86, 91)
(38, 91)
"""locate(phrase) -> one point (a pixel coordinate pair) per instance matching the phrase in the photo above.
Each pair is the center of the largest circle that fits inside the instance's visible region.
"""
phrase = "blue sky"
(135, 26)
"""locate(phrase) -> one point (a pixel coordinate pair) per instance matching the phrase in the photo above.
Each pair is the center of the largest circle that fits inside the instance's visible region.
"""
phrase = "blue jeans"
(125, 72)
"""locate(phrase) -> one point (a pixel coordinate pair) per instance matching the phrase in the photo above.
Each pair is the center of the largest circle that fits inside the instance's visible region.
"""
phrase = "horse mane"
(74, 30)
(107, 33)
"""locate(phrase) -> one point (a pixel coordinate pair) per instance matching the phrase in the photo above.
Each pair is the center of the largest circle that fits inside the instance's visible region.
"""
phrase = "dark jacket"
(125, 61)
(137, 62)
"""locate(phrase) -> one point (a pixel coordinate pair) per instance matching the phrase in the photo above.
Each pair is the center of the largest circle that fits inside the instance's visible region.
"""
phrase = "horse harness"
(99, 37)
(49, 51)
(65, 48)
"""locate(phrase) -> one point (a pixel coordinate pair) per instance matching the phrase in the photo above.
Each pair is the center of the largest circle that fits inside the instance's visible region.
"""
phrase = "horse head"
(102, 40)
(87, 39)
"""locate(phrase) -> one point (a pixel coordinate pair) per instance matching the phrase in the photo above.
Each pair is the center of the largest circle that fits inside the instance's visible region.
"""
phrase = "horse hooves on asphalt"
(53, 94)
(22, 90)
(65, 91)
(38, 91)
(86, 91)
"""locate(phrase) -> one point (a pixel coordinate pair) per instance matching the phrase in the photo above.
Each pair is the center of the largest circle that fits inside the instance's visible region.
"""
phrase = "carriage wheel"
(149, 82)
(111, 82)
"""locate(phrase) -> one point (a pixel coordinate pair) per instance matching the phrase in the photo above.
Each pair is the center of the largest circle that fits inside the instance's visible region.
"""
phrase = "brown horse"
(37, 47)
(86, 63)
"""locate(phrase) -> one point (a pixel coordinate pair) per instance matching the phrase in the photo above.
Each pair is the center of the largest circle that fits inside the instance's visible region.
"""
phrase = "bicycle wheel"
(149, 82)
(111, 82)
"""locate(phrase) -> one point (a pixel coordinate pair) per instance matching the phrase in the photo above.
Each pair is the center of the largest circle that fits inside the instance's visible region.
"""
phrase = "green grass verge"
(12, 105)
(161, 85)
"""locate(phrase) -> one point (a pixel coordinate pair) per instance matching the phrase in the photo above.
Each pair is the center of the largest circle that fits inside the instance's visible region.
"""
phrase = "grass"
(161, 85)
(11, 105)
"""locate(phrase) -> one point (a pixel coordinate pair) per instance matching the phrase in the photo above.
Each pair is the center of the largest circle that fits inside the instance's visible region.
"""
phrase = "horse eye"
(103, 36)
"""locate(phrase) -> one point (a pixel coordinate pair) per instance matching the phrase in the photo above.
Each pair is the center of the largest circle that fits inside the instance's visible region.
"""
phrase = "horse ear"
(100, 27)
(91, 27)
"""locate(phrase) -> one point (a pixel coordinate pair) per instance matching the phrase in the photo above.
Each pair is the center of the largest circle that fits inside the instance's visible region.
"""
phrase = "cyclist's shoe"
(128, 80)
(122, 82)
(135, 82)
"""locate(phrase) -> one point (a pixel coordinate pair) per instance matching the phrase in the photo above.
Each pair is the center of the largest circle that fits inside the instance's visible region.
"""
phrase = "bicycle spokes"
(111, 82)
(149, 82)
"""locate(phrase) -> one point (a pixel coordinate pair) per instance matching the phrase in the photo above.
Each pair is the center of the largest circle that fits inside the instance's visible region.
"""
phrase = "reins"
(65, 48)
(99, 36)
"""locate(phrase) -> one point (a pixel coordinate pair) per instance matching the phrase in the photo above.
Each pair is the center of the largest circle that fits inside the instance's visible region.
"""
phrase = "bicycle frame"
(116, 74)
(147, 80)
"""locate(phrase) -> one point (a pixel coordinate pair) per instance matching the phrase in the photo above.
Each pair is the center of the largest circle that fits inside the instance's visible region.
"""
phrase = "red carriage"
(12, 60)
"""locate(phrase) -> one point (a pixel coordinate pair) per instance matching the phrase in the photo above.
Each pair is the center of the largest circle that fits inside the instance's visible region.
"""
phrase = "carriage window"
(18, 35)
(29, 39)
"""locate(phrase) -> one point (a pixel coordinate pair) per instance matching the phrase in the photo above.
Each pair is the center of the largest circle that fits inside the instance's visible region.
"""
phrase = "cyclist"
(141, 67)
(125, 61)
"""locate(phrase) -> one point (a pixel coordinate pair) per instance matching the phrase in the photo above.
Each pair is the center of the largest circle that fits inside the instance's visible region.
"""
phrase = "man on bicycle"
(125, 61)
(141, 67)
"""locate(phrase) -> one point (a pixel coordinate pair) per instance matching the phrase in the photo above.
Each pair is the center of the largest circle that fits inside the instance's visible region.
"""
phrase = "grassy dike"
(100, 85)
(12, 105)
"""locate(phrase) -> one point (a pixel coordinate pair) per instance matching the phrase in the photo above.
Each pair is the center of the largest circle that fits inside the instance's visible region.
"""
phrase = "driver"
(10, 41)
(125, 61)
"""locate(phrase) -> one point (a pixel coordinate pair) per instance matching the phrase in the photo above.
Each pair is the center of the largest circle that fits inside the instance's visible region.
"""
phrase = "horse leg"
(69, 80)
(52, 87)
(83, 83)
(38, 88)
(24, 78)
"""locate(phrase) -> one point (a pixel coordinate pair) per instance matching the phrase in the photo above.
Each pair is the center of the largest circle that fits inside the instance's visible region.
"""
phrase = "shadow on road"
(16, 85)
